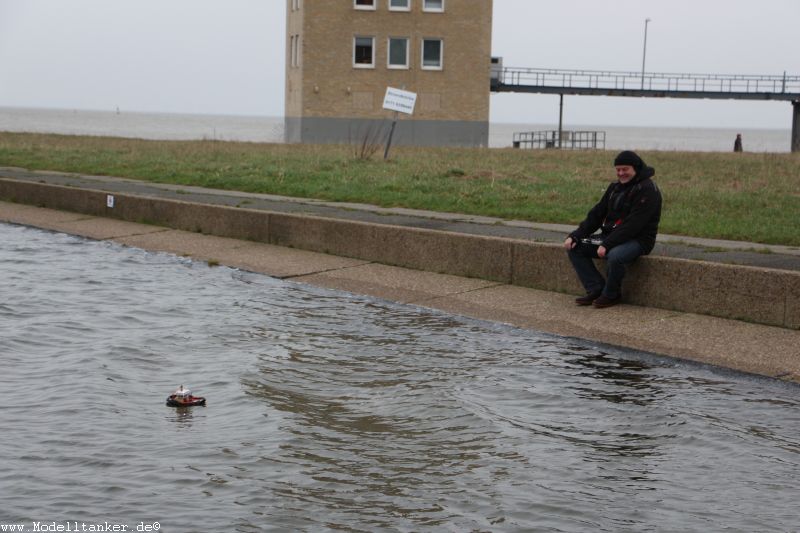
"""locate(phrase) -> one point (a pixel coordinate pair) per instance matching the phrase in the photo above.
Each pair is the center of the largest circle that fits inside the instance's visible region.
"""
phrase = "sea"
(169, 126)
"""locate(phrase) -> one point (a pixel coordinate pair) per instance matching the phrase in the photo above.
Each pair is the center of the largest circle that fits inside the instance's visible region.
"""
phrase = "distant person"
(737, 144)
(627, 216)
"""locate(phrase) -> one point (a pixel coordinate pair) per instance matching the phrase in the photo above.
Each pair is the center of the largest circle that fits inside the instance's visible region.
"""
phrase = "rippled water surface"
(333, 412)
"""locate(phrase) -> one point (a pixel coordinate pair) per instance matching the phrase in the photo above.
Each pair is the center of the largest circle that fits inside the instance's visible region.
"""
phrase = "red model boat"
(183, 398)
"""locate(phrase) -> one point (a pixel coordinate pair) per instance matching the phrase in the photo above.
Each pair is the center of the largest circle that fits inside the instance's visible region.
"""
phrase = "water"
(328, 411)
(270, 129)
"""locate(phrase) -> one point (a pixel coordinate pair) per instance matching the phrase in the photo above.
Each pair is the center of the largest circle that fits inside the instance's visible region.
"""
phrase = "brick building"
(343, 54)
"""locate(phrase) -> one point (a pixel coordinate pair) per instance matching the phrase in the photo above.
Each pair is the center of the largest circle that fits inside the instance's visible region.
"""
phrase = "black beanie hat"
(629, 158)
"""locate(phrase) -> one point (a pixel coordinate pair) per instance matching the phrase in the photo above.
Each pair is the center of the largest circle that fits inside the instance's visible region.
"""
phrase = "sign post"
(399, 101)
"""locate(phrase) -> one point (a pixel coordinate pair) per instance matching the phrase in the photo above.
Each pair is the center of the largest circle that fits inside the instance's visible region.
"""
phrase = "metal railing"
(611, 80)
(568, 140)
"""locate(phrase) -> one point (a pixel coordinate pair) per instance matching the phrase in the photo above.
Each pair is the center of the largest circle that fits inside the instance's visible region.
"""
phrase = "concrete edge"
(746, 347)
(752, 294)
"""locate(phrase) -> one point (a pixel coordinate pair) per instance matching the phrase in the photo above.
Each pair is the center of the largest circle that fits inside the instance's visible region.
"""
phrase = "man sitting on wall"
(627, 216)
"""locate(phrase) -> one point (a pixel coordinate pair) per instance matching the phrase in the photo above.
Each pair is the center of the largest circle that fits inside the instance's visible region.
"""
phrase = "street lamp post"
(644, 49)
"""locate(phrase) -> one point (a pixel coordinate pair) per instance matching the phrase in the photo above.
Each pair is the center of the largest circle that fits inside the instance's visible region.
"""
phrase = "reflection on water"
(183, 417)
(331, 412)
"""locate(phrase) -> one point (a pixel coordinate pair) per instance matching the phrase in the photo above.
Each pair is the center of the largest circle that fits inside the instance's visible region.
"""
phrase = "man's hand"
(569, 244)
(601, 251)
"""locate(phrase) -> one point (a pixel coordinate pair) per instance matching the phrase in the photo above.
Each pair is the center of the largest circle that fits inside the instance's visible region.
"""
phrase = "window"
(432, 54)
(364, 52)
(294, 60)
(433, 5)
(399, 5)
(295, 5)
(398, 52)
(364, 4)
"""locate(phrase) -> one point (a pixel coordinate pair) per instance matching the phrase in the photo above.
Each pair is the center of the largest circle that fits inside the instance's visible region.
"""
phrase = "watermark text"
(81, 527)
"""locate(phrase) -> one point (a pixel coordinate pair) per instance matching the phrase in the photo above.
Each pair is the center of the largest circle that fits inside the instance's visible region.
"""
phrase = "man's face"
(625, 173)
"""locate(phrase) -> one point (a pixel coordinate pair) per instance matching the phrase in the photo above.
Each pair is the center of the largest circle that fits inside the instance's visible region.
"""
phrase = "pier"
(652, 85)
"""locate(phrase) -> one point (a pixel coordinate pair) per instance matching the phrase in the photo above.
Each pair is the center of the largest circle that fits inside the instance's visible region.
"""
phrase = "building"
(343, 54)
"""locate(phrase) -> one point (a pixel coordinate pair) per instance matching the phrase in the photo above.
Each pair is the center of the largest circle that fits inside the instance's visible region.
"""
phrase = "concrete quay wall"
(758, 295)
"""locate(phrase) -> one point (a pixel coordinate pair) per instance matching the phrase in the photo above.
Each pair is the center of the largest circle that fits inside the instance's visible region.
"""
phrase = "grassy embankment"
(749, 197)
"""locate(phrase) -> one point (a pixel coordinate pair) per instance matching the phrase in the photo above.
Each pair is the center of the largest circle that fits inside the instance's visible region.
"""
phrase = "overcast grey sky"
(227, 56)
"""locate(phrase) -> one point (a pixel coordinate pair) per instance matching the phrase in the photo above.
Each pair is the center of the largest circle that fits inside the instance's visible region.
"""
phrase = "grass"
(748, 197)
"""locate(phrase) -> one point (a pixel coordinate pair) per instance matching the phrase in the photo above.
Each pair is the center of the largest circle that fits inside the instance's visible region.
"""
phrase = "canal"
(328, 411)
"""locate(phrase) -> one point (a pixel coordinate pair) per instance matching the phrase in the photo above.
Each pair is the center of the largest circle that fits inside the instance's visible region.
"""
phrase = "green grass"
(748, 197)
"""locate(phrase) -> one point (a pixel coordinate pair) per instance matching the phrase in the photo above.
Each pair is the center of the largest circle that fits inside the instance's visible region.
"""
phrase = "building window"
(364, 52)
(294, 60)
(295, 5)
(364, 4)
(398, 52)
(399, 5)
(432, 54)
(433, 5)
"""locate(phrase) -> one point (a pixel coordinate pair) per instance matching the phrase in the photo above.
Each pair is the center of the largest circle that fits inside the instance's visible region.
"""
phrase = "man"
(627, 217)
(737, 144)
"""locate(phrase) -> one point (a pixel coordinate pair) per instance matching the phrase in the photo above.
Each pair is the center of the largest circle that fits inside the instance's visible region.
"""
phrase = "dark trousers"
(618, 259)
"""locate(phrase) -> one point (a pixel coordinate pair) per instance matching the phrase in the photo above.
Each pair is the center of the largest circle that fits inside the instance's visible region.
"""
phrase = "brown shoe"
(603, 302)
(588, 299)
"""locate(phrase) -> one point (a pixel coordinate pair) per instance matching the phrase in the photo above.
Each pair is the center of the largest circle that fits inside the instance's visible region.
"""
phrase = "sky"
(228, 56)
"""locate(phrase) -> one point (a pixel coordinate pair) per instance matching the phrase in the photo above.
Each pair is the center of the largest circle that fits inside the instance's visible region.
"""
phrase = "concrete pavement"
(746, 346)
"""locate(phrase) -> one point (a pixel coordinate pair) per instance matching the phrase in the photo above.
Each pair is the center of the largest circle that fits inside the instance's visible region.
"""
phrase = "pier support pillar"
(560, 119)
(796, 126)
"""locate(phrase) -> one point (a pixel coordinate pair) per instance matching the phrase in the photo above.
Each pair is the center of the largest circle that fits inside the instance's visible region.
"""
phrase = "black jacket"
(625, 212)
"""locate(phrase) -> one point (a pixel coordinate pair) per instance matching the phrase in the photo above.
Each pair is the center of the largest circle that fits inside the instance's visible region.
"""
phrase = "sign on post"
(399, 100)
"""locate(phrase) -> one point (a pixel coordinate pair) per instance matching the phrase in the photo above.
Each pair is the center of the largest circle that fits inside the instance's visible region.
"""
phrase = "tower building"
(341, 56)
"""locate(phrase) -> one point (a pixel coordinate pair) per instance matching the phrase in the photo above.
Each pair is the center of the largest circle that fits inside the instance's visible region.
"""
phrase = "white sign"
(399, 100)
(109, 200)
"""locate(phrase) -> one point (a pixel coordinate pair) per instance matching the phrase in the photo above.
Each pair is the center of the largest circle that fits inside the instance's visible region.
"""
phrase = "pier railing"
(567, 140)
(653, 84)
